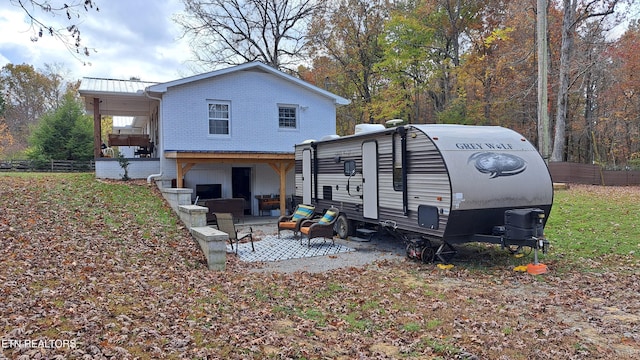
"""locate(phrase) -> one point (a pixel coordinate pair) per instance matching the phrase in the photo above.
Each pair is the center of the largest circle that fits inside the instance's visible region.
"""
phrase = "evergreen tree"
(63, 134)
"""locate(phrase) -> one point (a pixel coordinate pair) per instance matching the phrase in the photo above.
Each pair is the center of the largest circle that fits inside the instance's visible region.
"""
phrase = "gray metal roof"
(90, 85)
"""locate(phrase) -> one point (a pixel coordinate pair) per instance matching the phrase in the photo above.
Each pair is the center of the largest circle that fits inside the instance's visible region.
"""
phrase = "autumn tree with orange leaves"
(5, 136)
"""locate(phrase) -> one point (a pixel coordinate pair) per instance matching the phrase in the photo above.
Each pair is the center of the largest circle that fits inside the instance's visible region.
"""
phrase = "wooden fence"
(592, 174)
(48, 165)
(560, 171)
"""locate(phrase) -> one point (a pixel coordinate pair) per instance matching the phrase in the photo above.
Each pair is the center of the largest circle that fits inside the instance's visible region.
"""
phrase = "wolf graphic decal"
(496, 164)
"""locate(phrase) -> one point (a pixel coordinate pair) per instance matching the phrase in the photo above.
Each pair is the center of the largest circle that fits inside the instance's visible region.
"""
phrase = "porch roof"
(116, 97)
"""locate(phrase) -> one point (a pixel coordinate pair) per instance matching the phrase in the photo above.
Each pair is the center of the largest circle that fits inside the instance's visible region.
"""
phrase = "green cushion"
(328, 217)
(303, 212)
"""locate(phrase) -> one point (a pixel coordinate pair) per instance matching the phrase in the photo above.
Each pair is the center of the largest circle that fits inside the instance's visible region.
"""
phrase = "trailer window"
(349, 168)
(327, 192)
(397, 162)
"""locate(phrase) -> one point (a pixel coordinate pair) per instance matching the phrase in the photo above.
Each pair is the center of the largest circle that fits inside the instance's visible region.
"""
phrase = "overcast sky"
(133, 38)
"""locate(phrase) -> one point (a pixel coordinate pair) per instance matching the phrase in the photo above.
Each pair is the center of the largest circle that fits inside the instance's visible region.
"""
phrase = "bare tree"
(231, 32)
(575, 13)
(544, 143)
(69, 35)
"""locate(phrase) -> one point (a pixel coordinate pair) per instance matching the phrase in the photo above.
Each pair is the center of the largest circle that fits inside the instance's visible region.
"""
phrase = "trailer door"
(370, 180)
(306, 176)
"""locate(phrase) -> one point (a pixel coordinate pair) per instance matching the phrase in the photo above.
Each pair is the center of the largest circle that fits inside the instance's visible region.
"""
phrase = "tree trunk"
(566, 51)
(543, 113)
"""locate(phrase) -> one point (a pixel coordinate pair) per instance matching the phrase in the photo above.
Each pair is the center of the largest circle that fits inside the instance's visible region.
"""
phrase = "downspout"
(161, 129)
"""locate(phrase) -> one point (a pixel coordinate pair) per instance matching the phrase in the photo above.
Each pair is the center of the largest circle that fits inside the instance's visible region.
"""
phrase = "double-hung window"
(219, 117)
(287, 117)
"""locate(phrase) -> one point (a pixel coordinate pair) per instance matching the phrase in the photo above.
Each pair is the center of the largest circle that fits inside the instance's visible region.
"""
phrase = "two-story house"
(228, 133)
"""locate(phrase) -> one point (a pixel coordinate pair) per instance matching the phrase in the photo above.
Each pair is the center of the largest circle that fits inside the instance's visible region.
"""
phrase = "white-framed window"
(219, 117)
(287, 117)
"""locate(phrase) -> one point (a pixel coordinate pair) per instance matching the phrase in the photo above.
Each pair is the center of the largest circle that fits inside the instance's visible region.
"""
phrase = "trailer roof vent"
(329, 137)
(362, 128)
(308, 141)
(393, 122)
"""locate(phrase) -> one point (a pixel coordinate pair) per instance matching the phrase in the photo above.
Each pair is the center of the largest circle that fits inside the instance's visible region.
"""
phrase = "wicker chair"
(292, 222)
(226, 225)
(323, 227)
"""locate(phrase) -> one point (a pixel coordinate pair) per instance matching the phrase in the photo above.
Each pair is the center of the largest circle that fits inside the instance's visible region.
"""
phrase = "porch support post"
(97, 129)
(180, 174)
(182, 170)
(282, 169)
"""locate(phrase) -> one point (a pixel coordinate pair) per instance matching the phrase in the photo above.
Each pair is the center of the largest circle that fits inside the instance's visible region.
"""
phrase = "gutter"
(153, 176)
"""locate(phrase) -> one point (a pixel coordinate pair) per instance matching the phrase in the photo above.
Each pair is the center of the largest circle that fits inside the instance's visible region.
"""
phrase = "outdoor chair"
(322, 227)
(226, 224)
(292, 222)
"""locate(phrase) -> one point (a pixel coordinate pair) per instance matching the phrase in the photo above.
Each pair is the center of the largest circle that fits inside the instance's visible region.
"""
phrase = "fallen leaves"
(123, 279)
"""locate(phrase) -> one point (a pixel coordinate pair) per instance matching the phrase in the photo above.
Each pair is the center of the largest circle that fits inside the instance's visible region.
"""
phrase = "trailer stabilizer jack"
(445, 252)
(538, 268)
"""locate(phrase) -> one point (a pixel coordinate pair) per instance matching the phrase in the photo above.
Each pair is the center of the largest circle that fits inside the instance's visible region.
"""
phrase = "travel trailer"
(439, 184)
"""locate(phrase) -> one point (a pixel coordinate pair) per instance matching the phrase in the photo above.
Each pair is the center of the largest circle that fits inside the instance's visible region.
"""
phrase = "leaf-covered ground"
(90, 269)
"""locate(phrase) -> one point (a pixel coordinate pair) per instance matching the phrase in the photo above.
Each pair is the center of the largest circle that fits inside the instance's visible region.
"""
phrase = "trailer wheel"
(428, 255)
(343, 226)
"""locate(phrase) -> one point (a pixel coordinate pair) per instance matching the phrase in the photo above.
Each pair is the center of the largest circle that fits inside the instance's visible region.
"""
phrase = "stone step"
(366, 233)
(359, 239)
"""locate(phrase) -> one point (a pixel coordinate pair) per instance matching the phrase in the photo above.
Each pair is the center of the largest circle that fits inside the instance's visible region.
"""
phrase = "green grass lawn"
(595, 223)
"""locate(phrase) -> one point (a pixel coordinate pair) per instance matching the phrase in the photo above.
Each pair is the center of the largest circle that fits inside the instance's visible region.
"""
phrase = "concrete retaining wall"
(193, 215)
(213, 243)
(176, 197)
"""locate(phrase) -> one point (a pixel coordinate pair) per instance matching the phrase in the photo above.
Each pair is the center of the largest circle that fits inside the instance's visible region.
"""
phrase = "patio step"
(359, 239)
(363, 235)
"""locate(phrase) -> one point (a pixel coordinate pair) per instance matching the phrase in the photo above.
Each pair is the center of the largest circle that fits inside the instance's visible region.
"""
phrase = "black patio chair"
(227, 225)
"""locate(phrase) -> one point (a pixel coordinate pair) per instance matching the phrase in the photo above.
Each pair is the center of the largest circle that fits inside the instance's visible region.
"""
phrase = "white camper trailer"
(447, 183)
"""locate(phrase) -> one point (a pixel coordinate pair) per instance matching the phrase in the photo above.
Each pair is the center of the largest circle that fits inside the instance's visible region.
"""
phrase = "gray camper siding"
(463, 177)
(428, 180)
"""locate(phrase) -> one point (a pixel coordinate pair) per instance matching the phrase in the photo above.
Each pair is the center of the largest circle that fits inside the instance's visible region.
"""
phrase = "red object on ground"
(537, 269)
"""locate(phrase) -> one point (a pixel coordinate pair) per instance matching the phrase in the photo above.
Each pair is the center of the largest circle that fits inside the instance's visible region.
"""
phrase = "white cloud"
(132, 38)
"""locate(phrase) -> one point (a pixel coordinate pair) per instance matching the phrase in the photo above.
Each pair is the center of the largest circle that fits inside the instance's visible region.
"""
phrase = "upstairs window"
(219, 117)
(287, 117)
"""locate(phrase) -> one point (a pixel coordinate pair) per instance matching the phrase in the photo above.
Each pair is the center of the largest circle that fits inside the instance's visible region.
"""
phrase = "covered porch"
(134, 129)
(280, 163)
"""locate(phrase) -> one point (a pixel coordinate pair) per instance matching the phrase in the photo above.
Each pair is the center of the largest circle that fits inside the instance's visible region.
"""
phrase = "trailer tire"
(343, 227)
(428, 255)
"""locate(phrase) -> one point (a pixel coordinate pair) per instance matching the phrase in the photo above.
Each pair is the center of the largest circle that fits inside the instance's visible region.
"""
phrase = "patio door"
(241, 186)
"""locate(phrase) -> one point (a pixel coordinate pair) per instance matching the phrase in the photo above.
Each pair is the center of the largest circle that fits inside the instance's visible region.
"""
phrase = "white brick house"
(230, 130)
